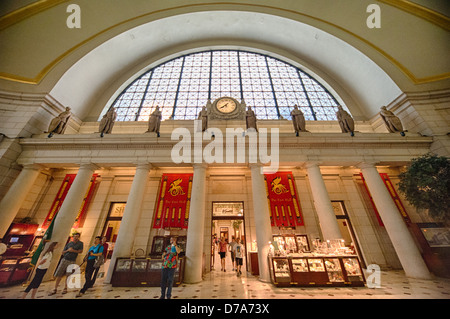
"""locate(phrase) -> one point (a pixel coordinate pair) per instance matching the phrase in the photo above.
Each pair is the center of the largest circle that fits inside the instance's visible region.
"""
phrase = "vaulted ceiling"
(85, 67)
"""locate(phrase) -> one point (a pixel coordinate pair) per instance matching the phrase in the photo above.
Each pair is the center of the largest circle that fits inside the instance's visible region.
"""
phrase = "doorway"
(227, 222)
(346, 228)
(112, 225)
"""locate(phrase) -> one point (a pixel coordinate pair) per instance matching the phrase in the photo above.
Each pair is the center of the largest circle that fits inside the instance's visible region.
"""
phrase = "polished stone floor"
(227, 285)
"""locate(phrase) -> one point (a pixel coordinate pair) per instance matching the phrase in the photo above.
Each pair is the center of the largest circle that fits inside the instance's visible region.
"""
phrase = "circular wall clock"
(226, 105)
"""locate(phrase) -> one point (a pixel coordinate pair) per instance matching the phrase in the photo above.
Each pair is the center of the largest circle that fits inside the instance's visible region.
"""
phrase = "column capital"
(143, 165)
(312, 164)
(199, 166)
(255, 165)
(90, 166)
(33, 166)
(364, 165)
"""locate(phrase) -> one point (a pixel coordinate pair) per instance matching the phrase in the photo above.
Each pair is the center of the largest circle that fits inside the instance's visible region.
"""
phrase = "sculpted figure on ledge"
(250, 119)
(59, 124)
(345, 121)
(203, 116)
(391, 121)
(107, 122)
(298, 120)
(154, 121)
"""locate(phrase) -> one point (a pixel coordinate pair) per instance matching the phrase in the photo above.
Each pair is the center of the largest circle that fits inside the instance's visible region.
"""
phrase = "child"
(239, 255)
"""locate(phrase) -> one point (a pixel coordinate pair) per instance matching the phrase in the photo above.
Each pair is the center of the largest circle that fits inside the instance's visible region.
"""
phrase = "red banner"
(79, 221)
(61, 195)
(59, 199)
(283, 202)
(172, 210)
(394, 195)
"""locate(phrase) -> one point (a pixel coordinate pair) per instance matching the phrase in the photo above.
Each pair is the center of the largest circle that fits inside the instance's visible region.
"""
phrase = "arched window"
(182, 86)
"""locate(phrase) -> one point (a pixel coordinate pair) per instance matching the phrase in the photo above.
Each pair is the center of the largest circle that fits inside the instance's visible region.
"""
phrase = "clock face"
(226, 105)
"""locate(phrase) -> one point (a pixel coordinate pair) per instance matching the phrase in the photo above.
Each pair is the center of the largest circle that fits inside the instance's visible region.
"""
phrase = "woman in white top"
(41, 269)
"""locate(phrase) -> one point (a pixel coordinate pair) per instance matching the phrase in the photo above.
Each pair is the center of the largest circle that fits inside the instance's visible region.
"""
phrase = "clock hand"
(223, 106)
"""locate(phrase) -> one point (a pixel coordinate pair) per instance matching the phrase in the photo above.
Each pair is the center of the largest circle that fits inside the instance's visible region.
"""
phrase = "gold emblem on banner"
(175, 189)
(277, 187)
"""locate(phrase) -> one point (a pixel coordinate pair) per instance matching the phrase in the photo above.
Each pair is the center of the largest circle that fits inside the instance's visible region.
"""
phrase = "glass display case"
(353, 269)
(292, 261)
(302, 243)
(142, 272)
(161, 242)
(281, 271)
(334, 270)
(316, 271)
(289, 244)
(300, 265)
(14, 270)
(316, 265)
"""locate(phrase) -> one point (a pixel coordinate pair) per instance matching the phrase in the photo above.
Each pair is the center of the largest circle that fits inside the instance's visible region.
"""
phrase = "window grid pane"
(181, 87)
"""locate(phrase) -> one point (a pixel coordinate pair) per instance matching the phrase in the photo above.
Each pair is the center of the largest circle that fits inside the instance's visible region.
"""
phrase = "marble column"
(262, 221)
(402, 240)
(327, 218)
(130, 220)
(196, 229)
(15, 196)
(68, 212)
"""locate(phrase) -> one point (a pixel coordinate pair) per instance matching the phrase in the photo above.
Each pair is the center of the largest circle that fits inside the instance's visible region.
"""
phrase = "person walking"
(105, 254)
(70, 254)
(95, 251)
(239, 255)
(223, 252)
(232, 244)
(170, 263)
(41, 269)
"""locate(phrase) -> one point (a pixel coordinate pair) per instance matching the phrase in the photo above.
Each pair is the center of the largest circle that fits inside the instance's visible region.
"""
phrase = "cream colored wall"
(226, 184)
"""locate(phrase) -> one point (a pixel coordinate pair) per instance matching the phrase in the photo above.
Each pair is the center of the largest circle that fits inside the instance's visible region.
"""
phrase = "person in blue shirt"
(95, 251)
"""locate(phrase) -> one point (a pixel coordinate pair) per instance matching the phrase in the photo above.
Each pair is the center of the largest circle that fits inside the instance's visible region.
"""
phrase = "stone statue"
(107, 122)
(58, 124)
(345, 121)
(392, 122)
(250, 119)
(155, 121)
(298, 120)
(203, 116)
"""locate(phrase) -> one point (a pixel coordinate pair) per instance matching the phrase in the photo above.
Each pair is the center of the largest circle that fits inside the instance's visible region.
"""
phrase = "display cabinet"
(316, 271)
(14, 270)
(353, 269)
(302, 243)
(334, 270)
(142, 272)
(161, 242)
(281, 271)
(292, 243)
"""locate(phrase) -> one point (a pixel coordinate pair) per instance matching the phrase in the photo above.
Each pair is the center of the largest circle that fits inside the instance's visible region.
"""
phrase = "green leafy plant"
(426, 185)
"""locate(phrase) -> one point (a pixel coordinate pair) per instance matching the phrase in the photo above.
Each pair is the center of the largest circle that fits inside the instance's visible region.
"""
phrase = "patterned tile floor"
(226, 285)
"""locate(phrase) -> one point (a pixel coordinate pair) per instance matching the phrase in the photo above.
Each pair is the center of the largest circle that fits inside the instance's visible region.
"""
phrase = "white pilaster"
(262, 221)
(196, 229)
(327, 218)
(407, 252)
(15, 196)
(132, 212)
